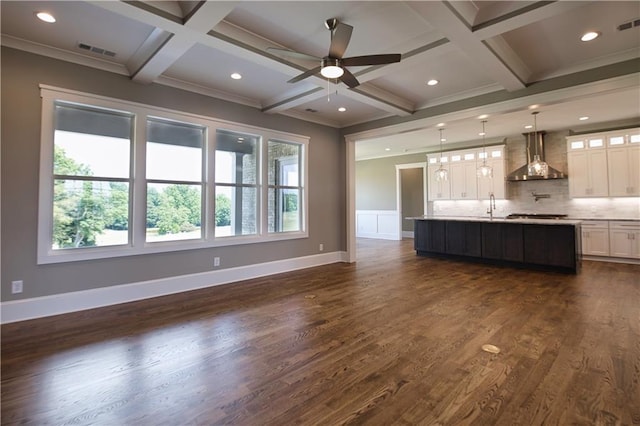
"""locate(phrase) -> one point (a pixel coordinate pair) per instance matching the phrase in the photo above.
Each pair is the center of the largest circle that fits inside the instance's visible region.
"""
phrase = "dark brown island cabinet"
(535, 244)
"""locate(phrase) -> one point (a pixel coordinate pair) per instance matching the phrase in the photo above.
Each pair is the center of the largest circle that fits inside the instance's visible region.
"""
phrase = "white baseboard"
(407, 234)
(39, 307)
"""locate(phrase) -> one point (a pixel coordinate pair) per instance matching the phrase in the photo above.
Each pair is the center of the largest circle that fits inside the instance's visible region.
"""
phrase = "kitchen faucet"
(492, 204)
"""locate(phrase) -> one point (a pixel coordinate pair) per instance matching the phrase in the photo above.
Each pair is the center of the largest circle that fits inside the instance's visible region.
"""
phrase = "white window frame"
(137, 223)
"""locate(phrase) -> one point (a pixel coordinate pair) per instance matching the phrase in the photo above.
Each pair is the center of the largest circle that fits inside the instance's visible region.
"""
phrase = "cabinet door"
(553, 245)
(502, 241)
(588, 173)
(599, 180)
(463, 181)
(495, 185)
(624, 171)
(619, 243)
(578, 174)
(438, 190)
(464, 238)
(635, 244)
(595, 241)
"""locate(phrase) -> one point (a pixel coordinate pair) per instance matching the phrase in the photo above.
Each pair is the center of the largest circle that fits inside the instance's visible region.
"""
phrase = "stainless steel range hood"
(534, 140)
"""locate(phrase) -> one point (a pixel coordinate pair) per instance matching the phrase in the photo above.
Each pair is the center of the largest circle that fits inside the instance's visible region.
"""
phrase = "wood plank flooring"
(394, 339)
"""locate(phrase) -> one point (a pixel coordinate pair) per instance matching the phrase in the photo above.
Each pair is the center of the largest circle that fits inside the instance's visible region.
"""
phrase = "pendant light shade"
(537, 167)
(441, 173)
(485, 170)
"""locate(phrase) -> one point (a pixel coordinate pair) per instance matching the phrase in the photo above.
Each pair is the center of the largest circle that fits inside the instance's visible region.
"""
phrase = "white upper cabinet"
(496, 184)
(624, 164)
(604, 164)
(462, 174)
(438, 189)
(463, 182)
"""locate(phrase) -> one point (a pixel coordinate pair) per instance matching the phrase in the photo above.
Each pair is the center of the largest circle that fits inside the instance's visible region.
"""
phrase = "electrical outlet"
(216, 261)
(321, 247)
(16, 286)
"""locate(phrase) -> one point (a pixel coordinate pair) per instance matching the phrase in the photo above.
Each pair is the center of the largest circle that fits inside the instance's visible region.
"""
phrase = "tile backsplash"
(520, 198)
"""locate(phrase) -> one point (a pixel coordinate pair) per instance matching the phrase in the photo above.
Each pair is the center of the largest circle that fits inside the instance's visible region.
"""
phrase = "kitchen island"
(543, 244)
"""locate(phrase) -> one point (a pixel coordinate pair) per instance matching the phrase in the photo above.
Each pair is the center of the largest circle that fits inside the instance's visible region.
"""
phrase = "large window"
(91, 170)
(174, 180)
(119, 178)
(285, 186)
(236, 182)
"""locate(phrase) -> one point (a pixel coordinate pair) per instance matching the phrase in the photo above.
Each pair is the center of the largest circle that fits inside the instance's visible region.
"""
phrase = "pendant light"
(537, 167)
(485, 170)
(442, 174)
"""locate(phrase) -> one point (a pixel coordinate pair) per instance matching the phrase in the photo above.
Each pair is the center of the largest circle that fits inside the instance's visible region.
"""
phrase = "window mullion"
(139, 191)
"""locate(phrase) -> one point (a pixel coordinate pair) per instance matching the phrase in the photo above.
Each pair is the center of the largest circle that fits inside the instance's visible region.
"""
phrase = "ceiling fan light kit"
(331, 68)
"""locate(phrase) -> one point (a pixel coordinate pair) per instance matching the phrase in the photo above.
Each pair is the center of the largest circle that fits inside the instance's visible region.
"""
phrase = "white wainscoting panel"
(381, 224)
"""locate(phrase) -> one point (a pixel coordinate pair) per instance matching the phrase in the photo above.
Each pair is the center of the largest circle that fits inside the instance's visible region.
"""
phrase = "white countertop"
(500, 220)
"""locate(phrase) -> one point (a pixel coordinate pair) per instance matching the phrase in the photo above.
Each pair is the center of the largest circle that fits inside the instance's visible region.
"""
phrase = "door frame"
(399, 168)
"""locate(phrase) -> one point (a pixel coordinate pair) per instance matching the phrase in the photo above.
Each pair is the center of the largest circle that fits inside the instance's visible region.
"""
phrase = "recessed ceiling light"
(342, 109)
(443, 139)
(483, 116)
(583, 118)
(440, 125)
(481, 134)
(591, 35)
(528, 126)
(46, 17)
(432, 82)
(236, 76)
(387, 149)
(534, 106)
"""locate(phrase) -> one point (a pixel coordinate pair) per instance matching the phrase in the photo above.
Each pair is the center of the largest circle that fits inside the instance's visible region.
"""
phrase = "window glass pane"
(90, 213)
(174, 212)
(634, 138)
(235, 210)
(174, 151)
(616, 140)
(91, 142)
(284, 210)
(594, 143)
(236, 157)
(283, 163)
(577, 145)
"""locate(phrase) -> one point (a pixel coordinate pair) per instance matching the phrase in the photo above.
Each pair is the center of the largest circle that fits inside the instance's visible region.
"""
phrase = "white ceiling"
(483, 53)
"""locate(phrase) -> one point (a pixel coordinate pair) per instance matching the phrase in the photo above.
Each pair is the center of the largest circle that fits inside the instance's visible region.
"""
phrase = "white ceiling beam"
(492, 22)
(163, 50)
(444, 17)
(239, 42)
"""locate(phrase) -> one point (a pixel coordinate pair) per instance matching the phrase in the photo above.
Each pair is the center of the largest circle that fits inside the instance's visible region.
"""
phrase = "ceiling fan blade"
(305, 74)
(349, 79)
(292, 54)
(340, 40)
(371, 60)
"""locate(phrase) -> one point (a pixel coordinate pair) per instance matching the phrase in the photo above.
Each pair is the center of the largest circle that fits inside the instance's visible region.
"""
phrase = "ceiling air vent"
(98, 50)
(629, 24)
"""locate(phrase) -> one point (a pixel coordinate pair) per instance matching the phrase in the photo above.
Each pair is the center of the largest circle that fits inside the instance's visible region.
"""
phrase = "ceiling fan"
(333, 65)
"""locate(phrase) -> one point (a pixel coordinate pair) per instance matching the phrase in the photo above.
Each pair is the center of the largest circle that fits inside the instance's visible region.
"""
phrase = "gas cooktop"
(536, 216)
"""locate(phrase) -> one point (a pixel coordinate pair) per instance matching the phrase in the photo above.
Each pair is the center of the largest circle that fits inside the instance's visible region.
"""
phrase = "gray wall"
(21, 108)
(376, 181)
(412, 189)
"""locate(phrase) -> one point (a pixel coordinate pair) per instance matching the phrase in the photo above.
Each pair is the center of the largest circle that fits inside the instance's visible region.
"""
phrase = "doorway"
(411, 184)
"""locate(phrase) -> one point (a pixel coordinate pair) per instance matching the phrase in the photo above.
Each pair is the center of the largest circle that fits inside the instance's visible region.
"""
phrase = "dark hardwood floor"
(393, 339)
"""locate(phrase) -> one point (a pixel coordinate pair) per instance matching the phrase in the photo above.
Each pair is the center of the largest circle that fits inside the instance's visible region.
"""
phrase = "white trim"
(379, 224)
(39, 307)
(350, 147)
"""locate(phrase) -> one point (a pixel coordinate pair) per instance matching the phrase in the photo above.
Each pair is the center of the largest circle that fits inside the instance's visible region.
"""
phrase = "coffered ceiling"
(482, 53)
